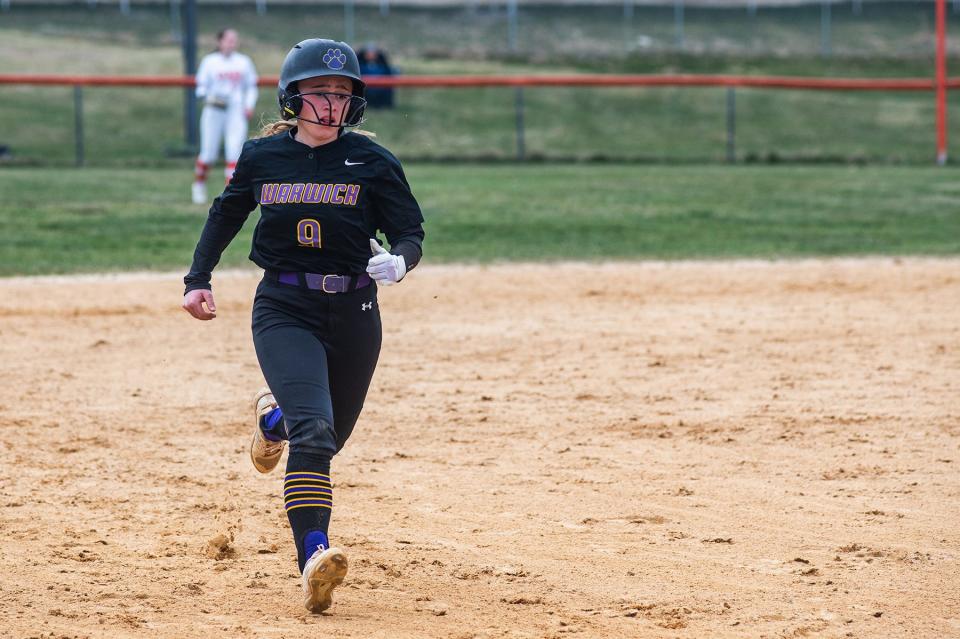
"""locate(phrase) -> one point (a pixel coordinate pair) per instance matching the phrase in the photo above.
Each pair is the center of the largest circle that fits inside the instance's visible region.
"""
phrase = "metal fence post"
(678, 22)
(189, 43)
(941, 81)
(857, 7)
(78, 124)
(348, 20)
(512, 24)
(825, 28)
(125, 7)
(5, 5)
(628, 23)
(731, 125)
(175, 20)
(261, 7)
(384, 7)
(518, 105)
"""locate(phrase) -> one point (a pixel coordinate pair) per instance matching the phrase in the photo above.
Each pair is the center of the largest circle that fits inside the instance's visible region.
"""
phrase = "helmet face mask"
(319, 109)
(314, 58)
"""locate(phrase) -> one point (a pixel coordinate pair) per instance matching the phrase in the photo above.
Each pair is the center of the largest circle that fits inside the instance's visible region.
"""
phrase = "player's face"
(329, 107)
(228, 43)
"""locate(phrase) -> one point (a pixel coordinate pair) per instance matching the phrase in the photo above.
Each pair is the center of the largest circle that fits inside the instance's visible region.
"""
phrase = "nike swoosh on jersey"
(349, 163)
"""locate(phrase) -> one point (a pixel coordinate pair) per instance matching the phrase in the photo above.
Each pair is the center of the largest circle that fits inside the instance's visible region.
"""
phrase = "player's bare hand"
(199, 303)
(248, 113)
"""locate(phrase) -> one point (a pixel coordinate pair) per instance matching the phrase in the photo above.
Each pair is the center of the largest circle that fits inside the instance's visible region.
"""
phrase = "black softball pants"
(317, 352)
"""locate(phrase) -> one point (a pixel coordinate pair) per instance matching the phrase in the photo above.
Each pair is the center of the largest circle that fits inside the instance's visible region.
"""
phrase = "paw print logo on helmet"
(335, 59)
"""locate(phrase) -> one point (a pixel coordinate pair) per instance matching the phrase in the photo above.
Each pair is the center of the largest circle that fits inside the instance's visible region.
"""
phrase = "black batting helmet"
(320, 57)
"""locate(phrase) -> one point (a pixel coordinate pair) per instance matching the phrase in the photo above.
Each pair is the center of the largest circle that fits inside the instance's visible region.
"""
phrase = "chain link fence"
(143, 126)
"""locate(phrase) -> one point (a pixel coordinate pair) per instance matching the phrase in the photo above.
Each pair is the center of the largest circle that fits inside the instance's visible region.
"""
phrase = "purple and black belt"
(321, 282)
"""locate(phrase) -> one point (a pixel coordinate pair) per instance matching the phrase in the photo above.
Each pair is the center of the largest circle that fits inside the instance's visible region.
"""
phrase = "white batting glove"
(384, 267)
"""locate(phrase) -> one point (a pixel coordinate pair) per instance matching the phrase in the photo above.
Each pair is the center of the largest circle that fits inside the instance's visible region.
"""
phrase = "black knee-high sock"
(308, 499)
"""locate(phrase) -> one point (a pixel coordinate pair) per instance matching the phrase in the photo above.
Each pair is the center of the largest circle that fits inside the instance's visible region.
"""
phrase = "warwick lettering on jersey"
(309, 193)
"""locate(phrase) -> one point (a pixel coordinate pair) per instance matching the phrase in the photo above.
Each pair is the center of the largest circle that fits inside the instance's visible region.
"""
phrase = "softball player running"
(323, 194)
(227, 84)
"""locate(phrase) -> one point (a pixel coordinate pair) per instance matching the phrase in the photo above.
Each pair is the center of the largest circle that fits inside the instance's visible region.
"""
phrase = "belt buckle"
(323, 284)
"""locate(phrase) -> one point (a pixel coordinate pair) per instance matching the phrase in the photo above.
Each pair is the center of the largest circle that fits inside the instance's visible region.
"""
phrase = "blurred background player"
(227, 84)
(374, 62)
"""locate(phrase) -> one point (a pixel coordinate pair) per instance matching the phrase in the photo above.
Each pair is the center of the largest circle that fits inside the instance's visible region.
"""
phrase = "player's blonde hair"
(280, 126)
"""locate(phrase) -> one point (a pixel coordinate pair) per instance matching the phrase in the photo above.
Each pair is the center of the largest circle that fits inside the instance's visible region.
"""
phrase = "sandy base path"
(733, 449)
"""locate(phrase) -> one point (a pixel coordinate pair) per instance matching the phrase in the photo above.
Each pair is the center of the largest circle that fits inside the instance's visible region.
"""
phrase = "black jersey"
(319, 207)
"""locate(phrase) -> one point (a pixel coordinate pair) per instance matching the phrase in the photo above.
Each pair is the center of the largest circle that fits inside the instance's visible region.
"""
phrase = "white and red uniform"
(228, 86)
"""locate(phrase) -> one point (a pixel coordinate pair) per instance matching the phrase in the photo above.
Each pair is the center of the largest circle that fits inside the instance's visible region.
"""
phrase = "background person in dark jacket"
(374, 62)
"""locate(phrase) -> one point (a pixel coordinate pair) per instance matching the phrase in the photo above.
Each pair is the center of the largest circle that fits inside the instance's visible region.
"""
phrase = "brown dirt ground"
(731, 449)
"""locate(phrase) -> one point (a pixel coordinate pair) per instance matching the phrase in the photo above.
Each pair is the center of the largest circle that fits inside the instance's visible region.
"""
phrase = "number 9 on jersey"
(308, 233)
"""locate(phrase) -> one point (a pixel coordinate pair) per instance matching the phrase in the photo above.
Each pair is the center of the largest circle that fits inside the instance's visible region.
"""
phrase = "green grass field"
(140, 127)
(54, 221)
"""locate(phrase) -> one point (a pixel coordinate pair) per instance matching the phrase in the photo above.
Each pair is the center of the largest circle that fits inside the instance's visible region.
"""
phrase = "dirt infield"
(734, 449)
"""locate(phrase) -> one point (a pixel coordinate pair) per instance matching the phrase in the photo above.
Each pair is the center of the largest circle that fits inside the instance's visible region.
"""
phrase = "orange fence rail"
(606, 80)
